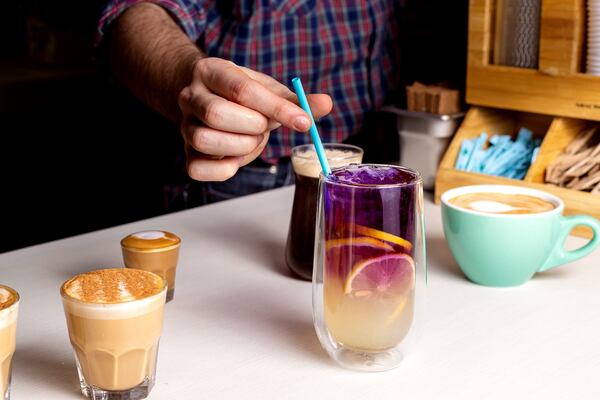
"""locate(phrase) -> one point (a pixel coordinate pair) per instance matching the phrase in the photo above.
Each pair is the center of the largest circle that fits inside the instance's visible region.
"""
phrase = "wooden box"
(558, 87)
(557, 132)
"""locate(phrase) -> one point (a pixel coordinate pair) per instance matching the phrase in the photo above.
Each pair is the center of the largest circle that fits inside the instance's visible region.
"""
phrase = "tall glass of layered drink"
(115, 319)
(369, 277)
(9, 308)
(299, 251)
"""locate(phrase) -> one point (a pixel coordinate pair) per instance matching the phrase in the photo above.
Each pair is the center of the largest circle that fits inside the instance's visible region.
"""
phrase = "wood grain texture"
(557, 88)
(481, 22)
(562, 31)
(529, 90)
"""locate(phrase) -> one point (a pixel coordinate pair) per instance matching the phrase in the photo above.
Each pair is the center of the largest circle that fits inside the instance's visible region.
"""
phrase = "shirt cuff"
(190, 16)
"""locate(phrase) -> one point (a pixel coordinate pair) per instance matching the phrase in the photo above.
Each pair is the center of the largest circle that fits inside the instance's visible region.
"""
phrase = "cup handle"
(559, 255)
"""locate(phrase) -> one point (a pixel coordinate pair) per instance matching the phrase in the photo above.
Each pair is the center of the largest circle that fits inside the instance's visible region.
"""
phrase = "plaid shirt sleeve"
(189, 15)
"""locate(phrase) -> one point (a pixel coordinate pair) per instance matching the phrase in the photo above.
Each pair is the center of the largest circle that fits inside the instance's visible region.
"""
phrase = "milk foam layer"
(109, 286)
(491, 206)
(150, 241)
(8, 307)
(115, 311)
(149, 235)
(306, 163)
(502, 203)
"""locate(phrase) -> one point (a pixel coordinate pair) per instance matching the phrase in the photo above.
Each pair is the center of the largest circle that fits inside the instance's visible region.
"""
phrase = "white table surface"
(241, 328)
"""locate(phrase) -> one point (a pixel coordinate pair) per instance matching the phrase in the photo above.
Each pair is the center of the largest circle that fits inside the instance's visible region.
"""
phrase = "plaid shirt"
(346, 48)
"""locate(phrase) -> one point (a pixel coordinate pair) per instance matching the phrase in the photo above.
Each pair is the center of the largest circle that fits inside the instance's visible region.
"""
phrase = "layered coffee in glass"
(154, 251)
(115, 319)
(9, 307)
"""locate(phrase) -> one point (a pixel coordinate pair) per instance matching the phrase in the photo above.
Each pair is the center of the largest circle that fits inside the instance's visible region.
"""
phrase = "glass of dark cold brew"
(299, 251)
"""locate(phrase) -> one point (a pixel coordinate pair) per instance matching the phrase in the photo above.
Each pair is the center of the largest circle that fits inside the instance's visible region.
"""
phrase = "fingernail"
(301, 123)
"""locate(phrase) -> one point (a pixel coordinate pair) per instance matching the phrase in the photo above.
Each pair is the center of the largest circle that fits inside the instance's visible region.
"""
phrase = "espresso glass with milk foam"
(115, 318)
(502, 235)
(9, 308)
(154, 251)
(299, 250)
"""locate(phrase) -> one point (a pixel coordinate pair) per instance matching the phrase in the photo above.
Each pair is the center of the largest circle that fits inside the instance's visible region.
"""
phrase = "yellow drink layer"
(368, 323)
(370, 306)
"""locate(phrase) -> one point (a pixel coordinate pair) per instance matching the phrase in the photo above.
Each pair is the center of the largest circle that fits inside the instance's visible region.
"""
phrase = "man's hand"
(225, 112)
(228, 112)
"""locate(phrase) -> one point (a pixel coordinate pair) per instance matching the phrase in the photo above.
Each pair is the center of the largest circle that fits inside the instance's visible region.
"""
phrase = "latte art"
(502, 203)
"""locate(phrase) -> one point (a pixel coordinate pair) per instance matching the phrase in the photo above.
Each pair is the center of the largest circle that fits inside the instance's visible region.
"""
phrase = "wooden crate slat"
(562, 31)
(558, 88)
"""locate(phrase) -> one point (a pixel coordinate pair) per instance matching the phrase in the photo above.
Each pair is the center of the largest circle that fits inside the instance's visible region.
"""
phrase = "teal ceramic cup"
(508, 249)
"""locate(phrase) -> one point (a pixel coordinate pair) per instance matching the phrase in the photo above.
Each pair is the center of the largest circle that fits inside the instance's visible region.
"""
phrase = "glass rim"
(356, 150)
(418, 179)
(65, 296)
(14, 292)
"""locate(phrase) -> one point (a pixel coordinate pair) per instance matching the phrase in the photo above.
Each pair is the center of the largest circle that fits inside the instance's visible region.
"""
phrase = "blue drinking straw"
(314, 134)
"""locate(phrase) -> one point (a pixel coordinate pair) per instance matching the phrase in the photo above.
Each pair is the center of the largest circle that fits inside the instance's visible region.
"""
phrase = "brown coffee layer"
(114, 285)
(502, 203)
(7, 297)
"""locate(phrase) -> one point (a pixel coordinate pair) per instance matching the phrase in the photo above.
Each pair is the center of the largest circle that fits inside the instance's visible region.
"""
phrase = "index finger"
(320, 103)
(232, 83)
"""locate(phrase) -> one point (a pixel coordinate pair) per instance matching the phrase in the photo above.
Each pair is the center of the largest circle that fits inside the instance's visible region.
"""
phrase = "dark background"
(78, 153)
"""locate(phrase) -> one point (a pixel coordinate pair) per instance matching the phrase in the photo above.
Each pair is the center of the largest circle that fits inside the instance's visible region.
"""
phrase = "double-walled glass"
(370, 275)
(299, 249)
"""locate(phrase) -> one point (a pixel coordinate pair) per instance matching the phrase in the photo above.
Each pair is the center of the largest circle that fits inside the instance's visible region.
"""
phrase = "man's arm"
(152, 56)
(225, 112)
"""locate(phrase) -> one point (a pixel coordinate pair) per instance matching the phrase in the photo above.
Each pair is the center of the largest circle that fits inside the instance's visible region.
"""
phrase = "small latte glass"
(154, 251)
(116, 344)
(370, 276)
(9, 309)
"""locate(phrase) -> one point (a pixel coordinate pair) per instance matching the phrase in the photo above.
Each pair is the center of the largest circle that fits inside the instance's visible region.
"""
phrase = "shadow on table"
(439, 257)
(265, 247)
(269, 321)
(551, 274)
(37, 364)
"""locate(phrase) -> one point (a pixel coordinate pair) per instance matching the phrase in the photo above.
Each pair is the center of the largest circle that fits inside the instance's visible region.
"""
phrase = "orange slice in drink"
(388, 275)
(342, 253)
(358, 241)
(381, 235)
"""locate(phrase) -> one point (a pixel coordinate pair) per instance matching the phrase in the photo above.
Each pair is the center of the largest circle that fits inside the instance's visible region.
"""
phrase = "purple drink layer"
(368, 201)
(361, 174)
